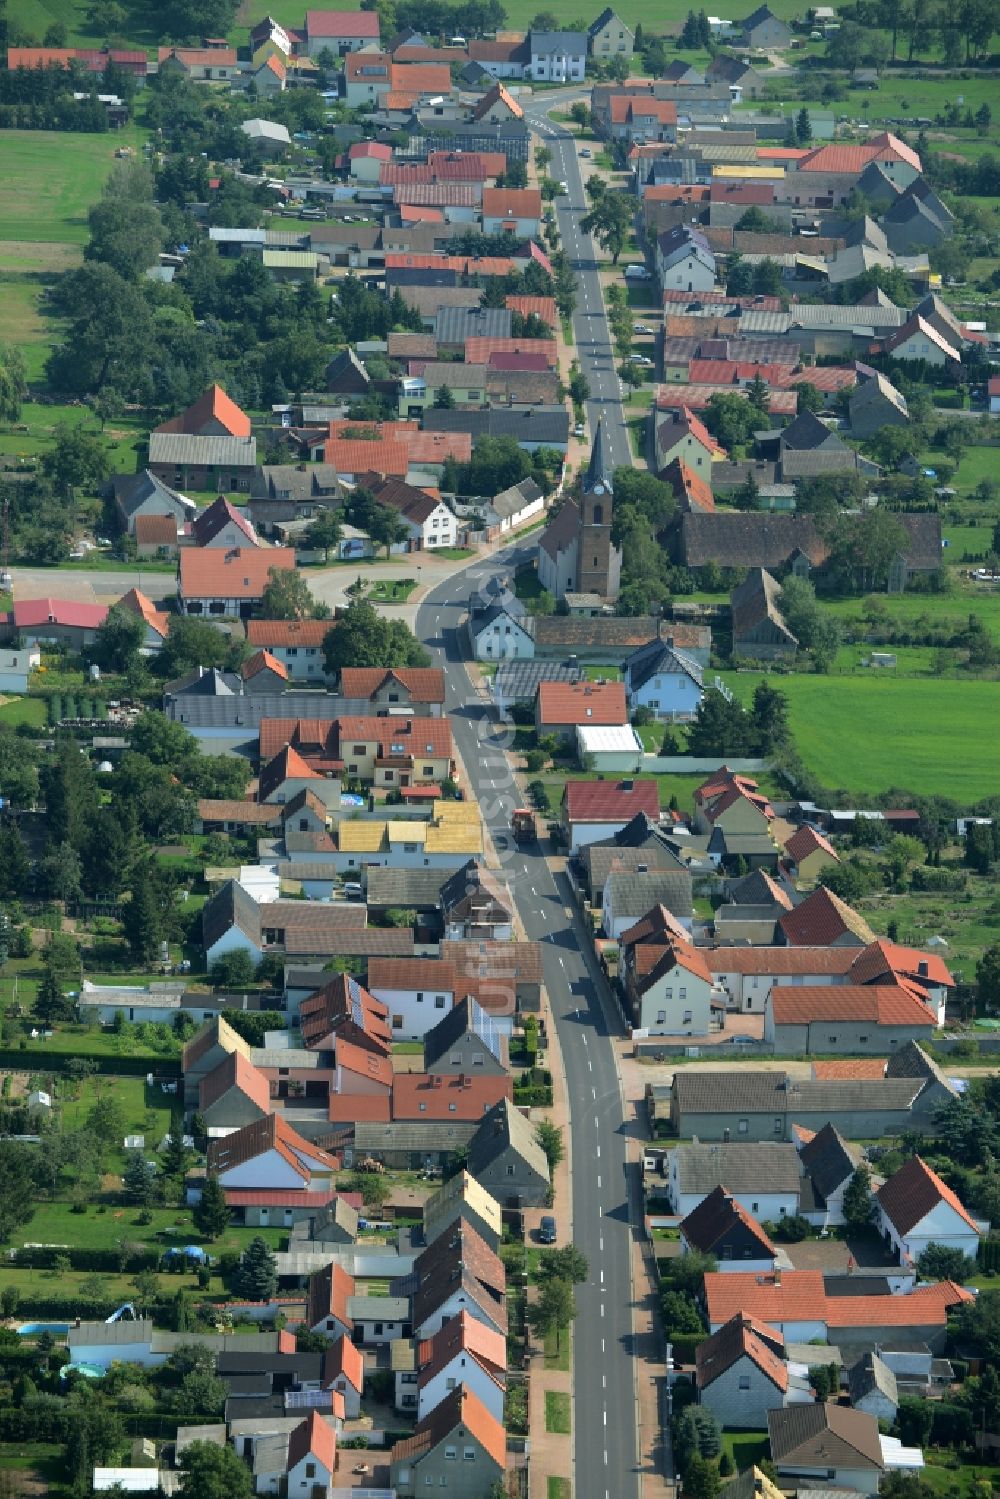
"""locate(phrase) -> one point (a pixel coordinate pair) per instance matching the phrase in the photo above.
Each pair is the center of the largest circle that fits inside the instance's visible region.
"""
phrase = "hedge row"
(108, 1260)
(68, 1309)
(37, 1059)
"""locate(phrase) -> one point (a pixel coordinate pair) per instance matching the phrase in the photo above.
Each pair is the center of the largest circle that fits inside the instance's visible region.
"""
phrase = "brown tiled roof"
(425, 684)
(741, 1337)
(849, 1067)
(822, 918)
(826, 1436)
(782, 961)
(365, 1062)
(155, 530)
(881, 1004)
(273, 1132)
(569, 703)
(717, 1215)
(606, 801)
(913, 1192)
(805, 841)
(346, 1007)
(459, 1254)
(241, 573)
(654, 926)
(210, 810)
(428, 974)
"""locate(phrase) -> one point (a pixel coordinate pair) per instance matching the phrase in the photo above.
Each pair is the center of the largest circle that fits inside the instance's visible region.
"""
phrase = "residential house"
(476, 905)
(223, 526)
(466, 1041)
(286, 492)
(344, 1374)
(457, 1272)
(155, 536)
(498, 59)
(396, 690)
(202, 1054)
(608, 37)
(685, 261)
(628, 897)
(459, 1446)
(340, 31)
(514, 211)
(16, 666)
(743, 80)
(915, 1209)
(367, 158)
(312, 1458)
(668, 984)
(461, 1199)
(144, 494)
(663, 679)
(207, 446)
(872, 1388)
(199, 64)
(749, 539)
(764, 1179)
(830, 1163)
(911, 225)
(918, 339)
(228, 584)
(731, 802)
(296, 643)
(268, 1154)
(557, 56)
(763, 31)
(594, 810)
(499, 629)
(828, 1444)
(497, 106)
(561, 707)
(876, 403)
(690, 490)
(388, 752)
(683, 435)
(505, 1158)
(721, 1227)
(642, 120)
(430, 522)
(465, 1352)
(270, 77)
(234, 1093)
(760, 630)
(848, 1019)
(513, 507)
(824, 920)
(343, 1010)
(748, 974)
(763, 1106)
(741, 1375)
(60, 621)
(328, 1302)
(808, 854)
(233, 920)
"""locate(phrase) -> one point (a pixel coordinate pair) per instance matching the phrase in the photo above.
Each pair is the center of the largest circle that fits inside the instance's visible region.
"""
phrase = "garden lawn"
(557, 1412)
(557, 1358)
(963, 1479)
(557, 1488)
(745, 1447)
(866, 734)
(29, 710)
(100, 1227)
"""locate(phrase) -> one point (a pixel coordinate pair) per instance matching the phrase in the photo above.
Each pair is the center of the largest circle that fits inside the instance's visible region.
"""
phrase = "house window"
(727, 1251)
(450, 1383)
(862, 1038)
(687, 1018)
(744, 1381)
(469, 1454)
(397, 1022)
(310, 1470)
(778, 1124)
(478, 1061)
(439, 1001)
(832, 1040)
(451, 1453)
(661, 1016)
(682, 993)
(510, 1171)
(743, 1127)
(754, 1207)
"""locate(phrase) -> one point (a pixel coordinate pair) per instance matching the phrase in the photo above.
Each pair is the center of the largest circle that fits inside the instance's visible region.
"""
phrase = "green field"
(50, 178)
(866, 734)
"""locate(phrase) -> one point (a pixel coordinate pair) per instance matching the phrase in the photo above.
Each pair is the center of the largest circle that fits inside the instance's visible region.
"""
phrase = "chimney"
(777, 1275)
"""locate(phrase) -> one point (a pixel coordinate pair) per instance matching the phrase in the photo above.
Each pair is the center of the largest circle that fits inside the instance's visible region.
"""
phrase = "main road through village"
(604, 1369)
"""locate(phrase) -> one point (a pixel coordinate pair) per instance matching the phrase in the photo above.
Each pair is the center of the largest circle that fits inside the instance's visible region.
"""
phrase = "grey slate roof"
(246, 712)
(829, 1160)
(413, 889)
(208, 452)
(513, 500)
(738, 1168)
(911, 1061)
(535, 424)
(601, 466)
(505, 1126)
(658, 657)
(869, 1374)
(600, 859)
(130, 490)
(465, 1016)
(517, 681)
(453, 325)
(742, 1092)
(635, 894)
(555, 43)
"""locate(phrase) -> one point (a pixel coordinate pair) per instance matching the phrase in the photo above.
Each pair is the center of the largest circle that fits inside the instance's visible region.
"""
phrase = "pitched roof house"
(915, 1209)
(505, 1158)
(827, 1443)
(760, 630)
(721, 1226)
(824, 920)
(458, 1429)
(463, 1352)
(845, 1018)
(741, 1374)
(234, 1093)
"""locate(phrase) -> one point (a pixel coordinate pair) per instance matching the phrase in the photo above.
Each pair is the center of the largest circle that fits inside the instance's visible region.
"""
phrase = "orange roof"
(463, 1335)
(344, 1358)
(425, 684)
(359, 1108)
(269, 634)
(438, 447)
(286, 765)
(805, 841)
(781, 962)
(213, 405)
(848, 159)
(138, 603)
(235, 1071)
(241, 573)
(795, 1296)
(263, 661)
(422, 1095)
(497, 95)
(460, 1408)
(273, 1132)
(512, 203)
(653, 959)
(354, 457)
(314, 1438)
(421, 77)
(913, 1192)
(540, 307)
(688, 485)
(328, 1294)
(582, 703)
(368, 1064)
(854, 1068)
(880, 1004)
(927, 1306)
(884, 959)
(276, 67)
(419, 213)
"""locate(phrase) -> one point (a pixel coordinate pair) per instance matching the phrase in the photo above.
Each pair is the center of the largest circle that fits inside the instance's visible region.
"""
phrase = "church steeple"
(598, 561)
(600, 467)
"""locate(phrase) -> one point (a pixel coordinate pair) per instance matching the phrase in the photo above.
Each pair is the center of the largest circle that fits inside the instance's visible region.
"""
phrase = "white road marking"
(602, 1308)
(598, 1148)
(601, 1242)
(598, 1181)
(590, 1065)
(593, 1093)
(602, 1345)
(605, 1418)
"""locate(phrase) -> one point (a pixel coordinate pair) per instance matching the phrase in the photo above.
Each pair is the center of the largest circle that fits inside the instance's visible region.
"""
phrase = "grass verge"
(557, 1413)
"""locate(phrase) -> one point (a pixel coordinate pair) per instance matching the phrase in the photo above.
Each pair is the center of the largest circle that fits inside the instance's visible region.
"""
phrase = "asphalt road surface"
(604, 1421)
(594, 348)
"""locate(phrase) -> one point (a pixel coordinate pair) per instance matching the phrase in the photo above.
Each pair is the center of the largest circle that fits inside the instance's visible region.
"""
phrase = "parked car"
(547, 1230)
(641, 328)
(579, 430)
(585, 153)
(637, 273)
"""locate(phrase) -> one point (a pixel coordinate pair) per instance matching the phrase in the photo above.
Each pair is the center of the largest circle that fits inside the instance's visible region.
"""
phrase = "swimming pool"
(32, 1329)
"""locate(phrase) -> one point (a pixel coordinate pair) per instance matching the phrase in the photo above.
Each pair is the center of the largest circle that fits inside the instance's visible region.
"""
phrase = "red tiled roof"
(156, 619)
(460, 1408)
(795, 1296)
(344, 1358)
(359, 1108)
(241, 573)
(606, 801)
(366, 1063)
(570, 703)
(370, 149)
(329, 1290)
(854, 159)
(349, 456)
(415, 974)
(286, 765)
(425, 684)
(688, 485)
(282, 1197)
(927, 1306)
(884, 958)
(420, 77)
(316, 1438)
(782, 962)
(262, 661)
(852, 1068)
(741, 1337)
(155, 530)
(359, 24)
(881, 1004)
(466, 1335)
(805, 841)
(540, 307)
(422, 1095)
(30, 613)
(197, 57)
(479, 350)
(913, 1192)
(421, 213)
